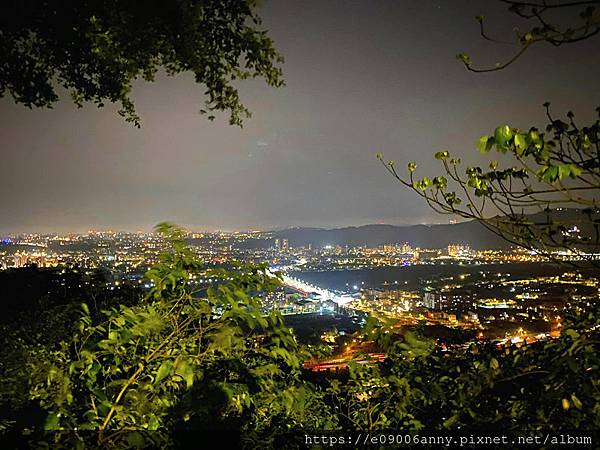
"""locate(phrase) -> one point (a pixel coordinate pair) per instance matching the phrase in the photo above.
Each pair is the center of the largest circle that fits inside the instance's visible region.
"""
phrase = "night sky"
(362, 77)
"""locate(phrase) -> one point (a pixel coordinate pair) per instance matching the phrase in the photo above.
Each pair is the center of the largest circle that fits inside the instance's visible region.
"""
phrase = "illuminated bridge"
(323, 294)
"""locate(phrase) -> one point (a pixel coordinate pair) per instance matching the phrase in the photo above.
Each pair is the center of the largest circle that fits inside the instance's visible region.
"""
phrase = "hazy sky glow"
(362, 77)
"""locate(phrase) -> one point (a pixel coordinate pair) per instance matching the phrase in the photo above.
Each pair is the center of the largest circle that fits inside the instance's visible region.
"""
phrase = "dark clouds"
(362, 77)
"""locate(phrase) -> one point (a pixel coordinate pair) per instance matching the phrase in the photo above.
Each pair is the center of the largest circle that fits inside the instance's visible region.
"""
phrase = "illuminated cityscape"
(299, 224)
(500, 295)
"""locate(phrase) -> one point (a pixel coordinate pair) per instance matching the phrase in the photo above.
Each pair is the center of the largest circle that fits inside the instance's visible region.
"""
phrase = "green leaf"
(575, 171)
(572, 333)
(576, 401)
(502, 135)
(494, 363)
(520, 143)
(483, 144)
(424, 184)
(163, 371)
(440, 182)
(136, 440)
(549, 174)
(564, 170)
(153, 423)
(464, 58)
(534, 136)
(186, 371)
(51, 422)
(448, 423)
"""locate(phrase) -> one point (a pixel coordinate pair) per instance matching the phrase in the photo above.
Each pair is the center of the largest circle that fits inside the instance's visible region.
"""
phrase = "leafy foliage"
(544, 171)
(543, 386)
(184, 357)
(194, 357)
(96, 49)
(41, 308)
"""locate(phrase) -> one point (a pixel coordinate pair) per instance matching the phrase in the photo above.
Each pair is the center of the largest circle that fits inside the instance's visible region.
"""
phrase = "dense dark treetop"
(95, 49)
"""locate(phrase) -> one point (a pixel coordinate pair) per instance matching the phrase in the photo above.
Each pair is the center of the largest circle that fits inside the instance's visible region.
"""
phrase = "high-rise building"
(20, 260)
(458, 250)
(431, 300)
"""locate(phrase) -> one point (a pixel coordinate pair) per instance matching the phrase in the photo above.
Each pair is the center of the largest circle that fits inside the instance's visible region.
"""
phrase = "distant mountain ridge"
(424, 236)
(470, 233)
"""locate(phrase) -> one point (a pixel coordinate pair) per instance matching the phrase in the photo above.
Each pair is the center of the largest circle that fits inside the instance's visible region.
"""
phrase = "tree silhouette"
(95, 49)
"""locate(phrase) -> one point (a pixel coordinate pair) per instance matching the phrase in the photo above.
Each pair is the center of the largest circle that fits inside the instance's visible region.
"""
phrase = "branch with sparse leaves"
(586, 25)
(521, 201)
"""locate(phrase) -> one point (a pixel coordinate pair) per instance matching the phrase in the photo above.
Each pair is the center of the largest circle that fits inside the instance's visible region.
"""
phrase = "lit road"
(307, 288)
